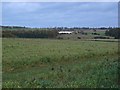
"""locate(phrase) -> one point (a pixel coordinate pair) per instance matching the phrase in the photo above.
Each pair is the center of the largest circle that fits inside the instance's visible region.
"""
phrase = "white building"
(65, 32)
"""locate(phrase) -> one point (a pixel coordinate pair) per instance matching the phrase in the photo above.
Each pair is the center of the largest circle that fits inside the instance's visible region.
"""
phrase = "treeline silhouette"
(114, 32)
(26, 32)
(52, 28)
(29, 33)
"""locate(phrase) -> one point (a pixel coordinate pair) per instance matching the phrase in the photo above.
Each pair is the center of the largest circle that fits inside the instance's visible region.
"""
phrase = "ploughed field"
(51, 63)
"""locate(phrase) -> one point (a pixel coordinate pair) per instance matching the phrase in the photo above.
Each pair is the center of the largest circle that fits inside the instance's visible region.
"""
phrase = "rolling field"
(51, 63)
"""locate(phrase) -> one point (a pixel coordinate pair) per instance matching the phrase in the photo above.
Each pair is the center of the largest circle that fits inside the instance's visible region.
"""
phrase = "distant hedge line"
(29, 33)
(113, 32)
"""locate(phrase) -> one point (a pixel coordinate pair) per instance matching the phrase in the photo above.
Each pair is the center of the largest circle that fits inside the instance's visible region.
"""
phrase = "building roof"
(65, 32)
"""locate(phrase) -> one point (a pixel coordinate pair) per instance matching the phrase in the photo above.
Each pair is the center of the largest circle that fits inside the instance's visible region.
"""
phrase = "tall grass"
(59, 63)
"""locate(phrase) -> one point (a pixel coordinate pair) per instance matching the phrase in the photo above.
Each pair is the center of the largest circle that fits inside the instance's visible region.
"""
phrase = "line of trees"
(54, 28)
(29, 33)
(115, 32)
(25, 32)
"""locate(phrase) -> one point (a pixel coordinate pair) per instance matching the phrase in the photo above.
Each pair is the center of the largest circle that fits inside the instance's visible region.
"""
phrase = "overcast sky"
(66, 14)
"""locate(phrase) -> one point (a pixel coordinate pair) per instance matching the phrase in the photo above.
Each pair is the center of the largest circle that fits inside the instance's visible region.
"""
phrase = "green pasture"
(52, 63)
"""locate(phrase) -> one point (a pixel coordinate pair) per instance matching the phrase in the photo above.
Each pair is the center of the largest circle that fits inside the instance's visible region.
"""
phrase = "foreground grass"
(59, 63)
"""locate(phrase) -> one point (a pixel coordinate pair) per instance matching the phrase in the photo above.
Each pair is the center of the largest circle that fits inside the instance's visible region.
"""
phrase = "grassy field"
(89, 35)
(53, 63)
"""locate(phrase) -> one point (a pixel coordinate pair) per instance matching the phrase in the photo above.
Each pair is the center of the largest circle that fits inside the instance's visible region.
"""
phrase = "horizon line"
(61, 26)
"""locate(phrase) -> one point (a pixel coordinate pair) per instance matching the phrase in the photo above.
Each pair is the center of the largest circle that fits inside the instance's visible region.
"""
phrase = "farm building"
(65, 32)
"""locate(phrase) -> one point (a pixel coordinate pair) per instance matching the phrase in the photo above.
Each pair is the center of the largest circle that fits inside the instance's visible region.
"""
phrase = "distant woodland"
(25, 32)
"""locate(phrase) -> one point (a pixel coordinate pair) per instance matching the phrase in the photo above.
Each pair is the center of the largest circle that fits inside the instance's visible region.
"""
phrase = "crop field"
(52, 63)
